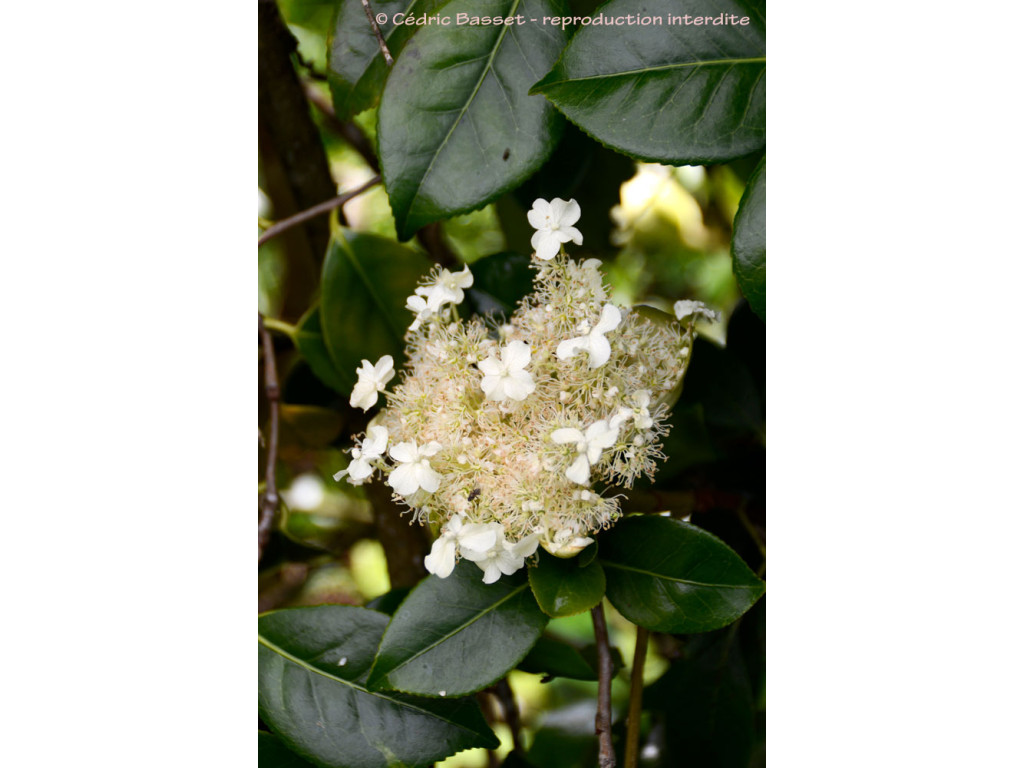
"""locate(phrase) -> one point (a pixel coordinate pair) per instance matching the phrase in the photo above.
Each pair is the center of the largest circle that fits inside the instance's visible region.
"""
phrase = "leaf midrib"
(465, 108)
(677, 580)
(310, 668)
(659, 68)
(452, 633)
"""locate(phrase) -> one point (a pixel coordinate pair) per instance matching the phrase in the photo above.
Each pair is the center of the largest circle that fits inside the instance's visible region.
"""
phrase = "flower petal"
(610, 319)
(539, 215)
(546, 244)
(516, 355)
(375, 442)
(600, 350)
(491, 367)
(571, 347)
(579, 472)
(404, 452)
(403, 480)
(566, 435)
(476, 540)
(441, 560)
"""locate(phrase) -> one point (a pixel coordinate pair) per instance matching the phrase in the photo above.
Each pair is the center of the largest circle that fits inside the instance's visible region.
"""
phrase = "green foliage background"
(658, 133)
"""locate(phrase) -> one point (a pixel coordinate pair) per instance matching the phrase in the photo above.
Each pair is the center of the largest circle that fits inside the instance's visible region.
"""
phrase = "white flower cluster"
(499, 434)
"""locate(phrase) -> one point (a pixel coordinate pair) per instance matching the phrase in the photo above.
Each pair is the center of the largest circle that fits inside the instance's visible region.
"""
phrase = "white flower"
(457, 535)
(372, 379)
(501, 557)
(589, 446)
(417, 305)
(373, 446)
(593, 340)
(686, 307)
(640, 414)
(553, 222)
(448, 287)
(414, 471)
(508, 379)
(567, 543)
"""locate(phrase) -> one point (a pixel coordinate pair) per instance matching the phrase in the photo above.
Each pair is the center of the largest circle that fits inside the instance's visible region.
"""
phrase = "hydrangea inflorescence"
(499, 433)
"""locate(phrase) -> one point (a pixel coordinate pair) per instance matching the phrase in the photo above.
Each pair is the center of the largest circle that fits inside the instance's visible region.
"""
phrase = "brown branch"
(636, 689)
(376, 31)
(316, 210)
(510, 710)
(346, 129)
(269, 502)
(603, 721)
(404, 544)
(432, 239)
(295, 167)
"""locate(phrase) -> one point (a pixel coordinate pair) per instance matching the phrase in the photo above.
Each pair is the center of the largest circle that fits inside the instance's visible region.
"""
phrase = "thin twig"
(510, 710)
(316, 210)
(603, 721)
(346, 129)
(269, 503)
(636, 690)
(376, 30)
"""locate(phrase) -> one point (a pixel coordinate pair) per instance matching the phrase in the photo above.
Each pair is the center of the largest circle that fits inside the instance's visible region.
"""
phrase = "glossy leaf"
(670, 93)
(564, 587)
(309, 340)
(457, 634)
(388, 602)
(274, 754)
(312, 693)
(748, 242)
(366, 282)
(705, 704)
(499, 282)
(554, 657)
(457, 127)
(670, 576)
(557, 658)
(356, 67)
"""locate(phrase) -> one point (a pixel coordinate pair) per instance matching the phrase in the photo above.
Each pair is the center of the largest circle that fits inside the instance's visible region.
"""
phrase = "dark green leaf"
(719, 381)
(458, 635)
(356, 67)
(457, 127)
(366, 282)
(274, 754)
(321, 708)
(748, 242)
(388, 602)
(671, 93)
(705, 705)
(499, 282)
(563, 588)
(670, 576)
(309, 340)
(557, 658)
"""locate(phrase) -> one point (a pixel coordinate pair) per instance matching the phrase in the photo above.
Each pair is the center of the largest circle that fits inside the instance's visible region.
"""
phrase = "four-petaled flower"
(501, 557)
(448, 287)
(553, 222)
(414, 471)
(589, 446)
(372, 379)
(417, 305)
(508, 379)
(373, 446)
(458, 534)
(593, 340)
(640, 414)
(687, 307)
